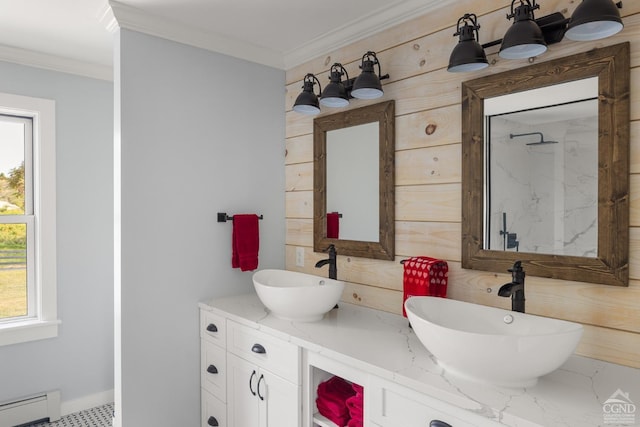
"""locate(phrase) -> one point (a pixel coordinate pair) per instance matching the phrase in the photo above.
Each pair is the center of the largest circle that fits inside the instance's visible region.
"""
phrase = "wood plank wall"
(428, 175)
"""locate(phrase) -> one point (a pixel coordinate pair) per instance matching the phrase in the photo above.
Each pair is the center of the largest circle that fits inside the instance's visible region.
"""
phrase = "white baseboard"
(87, 402)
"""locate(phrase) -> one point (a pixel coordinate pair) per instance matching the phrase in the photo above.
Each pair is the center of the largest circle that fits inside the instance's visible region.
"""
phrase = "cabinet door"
(279, 401)
(242, 401)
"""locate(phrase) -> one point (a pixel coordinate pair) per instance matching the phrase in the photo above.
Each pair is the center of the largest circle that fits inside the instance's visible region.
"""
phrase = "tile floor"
(100, 416)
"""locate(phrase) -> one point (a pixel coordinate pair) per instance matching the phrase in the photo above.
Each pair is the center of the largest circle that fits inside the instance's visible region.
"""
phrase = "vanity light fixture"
(524, 38)
(595, 19)
(338, 92)
(468, 55)
(307, 101)
(528, 36)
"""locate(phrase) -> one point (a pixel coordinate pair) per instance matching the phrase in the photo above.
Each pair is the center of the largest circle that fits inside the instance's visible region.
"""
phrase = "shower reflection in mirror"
(541, 162)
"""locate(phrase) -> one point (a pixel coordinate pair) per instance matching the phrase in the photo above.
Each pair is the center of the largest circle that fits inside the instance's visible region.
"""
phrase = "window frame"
(44, 322)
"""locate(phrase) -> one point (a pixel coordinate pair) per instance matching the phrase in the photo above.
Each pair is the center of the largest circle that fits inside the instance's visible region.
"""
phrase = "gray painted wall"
(200, 133)
(79, 361)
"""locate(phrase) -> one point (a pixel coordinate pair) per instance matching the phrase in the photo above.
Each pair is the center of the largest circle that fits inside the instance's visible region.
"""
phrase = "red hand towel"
(246, 242)
(333, 225)
(355, 422)
(424, 276)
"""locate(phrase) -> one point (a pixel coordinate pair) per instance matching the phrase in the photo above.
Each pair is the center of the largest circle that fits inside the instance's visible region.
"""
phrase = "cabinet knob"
(258, 348)
(212, 422)
(212, 369)
(212, 328)
(438, 423)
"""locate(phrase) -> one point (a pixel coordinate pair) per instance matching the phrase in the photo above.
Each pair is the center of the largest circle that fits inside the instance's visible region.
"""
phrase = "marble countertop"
(382, 344)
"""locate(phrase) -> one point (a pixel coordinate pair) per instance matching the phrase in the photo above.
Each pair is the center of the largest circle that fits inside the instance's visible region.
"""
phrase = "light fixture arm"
(336, 72)
(469, 20)
(373, 59)
(309, 81)
(532, 7)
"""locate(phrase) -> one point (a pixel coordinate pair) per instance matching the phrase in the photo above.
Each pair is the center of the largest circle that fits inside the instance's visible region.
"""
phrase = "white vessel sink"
(297, 296)
(490, 344)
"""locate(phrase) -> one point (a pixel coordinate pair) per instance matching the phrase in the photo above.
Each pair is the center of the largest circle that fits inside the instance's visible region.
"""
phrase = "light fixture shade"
(524, 38)
(307, 101)
(335, 93)
(468, 55)
(594, 20)
(367, 85)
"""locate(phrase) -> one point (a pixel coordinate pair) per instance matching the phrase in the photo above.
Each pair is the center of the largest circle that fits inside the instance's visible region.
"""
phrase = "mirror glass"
(545, 168)
(352, 160)
(541, 160)
(354, 155)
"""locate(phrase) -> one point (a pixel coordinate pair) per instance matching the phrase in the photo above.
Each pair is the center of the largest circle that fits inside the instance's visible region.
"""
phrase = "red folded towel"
(333, 225)
(355, 422)
(332, 398)
(245, 242)
(424, 276)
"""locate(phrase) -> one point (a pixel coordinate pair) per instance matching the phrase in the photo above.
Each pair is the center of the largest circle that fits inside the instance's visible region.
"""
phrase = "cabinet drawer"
(214, 412)
(280, 357)
(213, 364)
(392, 405)
(212, 327)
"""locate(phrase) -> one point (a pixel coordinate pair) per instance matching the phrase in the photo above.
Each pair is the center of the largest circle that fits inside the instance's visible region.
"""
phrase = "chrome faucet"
(515, 289)
(333, 265)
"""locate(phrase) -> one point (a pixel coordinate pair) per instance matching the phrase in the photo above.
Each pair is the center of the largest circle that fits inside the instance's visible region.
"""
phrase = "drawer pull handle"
(212, 422)
(212, 328)
(253, 374)
(257, 348)
(261, 396)
(438, 423)
(212, 369)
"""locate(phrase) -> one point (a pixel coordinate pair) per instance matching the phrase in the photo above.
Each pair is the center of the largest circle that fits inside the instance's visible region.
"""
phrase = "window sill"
(27, 330)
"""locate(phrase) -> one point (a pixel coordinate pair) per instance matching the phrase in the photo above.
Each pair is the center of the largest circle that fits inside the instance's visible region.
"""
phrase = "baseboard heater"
(28, 410)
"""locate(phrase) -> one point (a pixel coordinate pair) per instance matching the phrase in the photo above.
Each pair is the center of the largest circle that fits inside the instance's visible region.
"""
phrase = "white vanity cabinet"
(267, 372)
(263, 379)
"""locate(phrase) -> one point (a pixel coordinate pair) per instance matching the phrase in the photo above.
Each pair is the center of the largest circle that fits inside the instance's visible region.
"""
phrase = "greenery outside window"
(28, 305)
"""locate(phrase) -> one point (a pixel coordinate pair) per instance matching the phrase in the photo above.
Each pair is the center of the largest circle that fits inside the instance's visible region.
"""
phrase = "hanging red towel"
(424, 276)
(245, 242)
(333, 225)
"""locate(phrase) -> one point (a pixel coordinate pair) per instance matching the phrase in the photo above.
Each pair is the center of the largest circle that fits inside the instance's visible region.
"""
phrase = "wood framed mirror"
(354, 181)
(609, 263)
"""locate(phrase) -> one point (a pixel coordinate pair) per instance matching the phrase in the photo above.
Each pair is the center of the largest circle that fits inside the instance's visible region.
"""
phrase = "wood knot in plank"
(430, 129)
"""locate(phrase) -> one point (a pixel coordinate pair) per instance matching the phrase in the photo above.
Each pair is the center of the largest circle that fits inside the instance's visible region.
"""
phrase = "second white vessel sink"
(297, 296)
(490, 344)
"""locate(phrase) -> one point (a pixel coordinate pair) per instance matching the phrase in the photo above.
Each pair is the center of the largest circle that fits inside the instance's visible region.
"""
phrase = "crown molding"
(368, 25)
(55, 63)
(137, 20)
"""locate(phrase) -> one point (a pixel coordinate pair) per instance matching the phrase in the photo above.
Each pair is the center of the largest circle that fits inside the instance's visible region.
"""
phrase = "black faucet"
(333, 265)
(515, 289)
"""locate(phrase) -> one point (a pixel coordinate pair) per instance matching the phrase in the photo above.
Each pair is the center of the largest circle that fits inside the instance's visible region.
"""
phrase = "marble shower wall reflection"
(547, 193)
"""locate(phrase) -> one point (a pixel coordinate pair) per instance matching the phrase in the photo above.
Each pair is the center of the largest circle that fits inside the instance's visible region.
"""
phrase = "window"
(28, 305)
